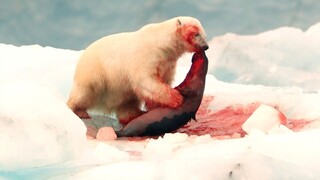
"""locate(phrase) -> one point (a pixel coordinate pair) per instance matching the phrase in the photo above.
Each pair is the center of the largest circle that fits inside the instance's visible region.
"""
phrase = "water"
(75, 24)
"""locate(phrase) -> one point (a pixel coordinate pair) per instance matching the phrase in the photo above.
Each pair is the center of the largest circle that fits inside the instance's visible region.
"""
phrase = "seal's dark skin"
(163, 120)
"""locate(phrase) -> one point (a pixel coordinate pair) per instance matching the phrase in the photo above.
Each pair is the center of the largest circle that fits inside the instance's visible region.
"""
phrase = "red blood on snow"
(226, 122)
(229, 120)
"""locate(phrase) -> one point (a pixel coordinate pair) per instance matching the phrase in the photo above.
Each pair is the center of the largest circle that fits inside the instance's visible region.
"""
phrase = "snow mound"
(282, 57)
(46, 66)
(265, 118)
(37, 128)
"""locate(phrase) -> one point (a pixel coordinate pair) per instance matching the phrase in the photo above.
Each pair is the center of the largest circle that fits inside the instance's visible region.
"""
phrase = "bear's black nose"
(205, 47)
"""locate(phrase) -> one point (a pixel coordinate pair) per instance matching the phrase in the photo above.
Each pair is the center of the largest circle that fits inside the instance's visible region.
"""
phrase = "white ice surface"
(264, 118)
(42, 139)
(37, 128)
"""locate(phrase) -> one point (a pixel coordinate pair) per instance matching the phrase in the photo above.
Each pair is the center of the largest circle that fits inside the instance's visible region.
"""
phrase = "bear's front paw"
(152, 105)
(175, 99)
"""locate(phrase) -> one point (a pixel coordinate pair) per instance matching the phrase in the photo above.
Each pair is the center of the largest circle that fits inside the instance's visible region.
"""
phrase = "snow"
(259, 121)
(252, 79)
(37, 128)
(280, 57)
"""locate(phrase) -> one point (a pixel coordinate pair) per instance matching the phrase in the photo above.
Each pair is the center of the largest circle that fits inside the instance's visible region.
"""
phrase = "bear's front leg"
(157, 94)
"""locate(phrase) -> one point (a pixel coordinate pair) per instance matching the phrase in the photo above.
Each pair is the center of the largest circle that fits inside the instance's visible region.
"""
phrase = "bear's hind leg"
(82, 98)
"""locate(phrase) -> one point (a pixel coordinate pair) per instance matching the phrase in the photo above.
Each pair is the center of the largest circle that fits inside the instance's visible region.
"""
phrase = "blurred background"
(74, 24)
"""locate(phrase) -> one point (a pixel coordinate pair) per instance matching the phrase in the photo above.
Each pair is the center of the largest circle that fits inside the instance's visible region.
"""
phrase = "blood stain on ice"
(228, 121)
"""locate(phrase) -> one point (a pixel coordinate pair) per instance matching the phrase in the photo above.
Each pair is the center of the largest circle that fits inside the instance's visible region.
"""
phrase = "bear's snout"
(205, 47)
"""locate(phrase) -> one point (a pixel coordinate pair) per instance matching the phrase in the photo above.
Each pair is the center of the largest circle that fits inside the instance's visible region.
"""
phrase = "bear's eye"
(196, 35)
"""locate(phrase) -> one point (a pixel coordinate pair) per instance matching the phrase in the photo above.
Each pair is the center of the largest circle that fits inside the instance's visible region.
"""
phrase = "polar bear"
(119, 72)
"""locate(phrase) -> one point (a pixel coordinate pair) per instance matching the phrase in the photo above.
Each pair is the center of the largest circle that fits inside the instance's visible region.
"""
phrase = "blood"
(228, 121)
(296, 124)
(188, 32)
(282, 118)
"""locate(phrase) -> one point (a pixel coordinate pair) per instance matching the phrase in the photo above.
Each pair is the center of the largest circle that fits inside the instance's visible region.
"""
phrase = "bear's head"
(192, 34)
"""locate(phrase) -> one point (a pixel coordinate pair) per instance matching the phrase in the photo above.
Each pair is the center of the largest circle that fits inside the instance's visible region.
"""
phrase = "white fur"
(118, 72)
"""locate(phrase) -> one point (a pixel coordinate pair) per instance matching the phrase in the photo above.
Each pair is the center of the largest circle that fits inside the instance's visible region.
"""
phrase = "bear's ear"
(178, 22)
